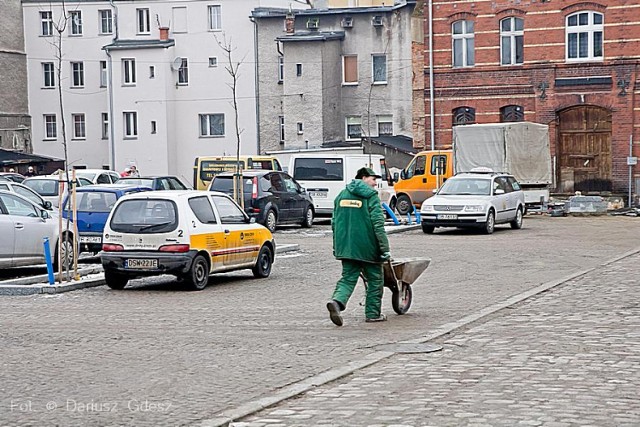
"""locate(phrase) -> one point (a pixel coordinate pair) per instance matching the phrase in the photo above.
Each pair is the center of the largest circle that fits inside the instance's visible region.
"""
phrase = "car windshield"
(145, 216)
(86, 175)
(466, 186)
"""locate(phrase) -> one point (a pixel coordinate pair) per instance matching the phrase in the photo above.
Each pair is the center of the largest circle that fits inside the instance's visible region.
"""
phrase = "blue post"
(409, 217)
(391, 214)
(47, 257)
(417, 214)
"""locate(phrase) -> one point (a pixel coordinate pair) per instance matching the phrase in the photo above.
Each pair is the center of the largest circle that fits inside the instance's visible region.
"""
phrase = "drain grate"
(410, 348)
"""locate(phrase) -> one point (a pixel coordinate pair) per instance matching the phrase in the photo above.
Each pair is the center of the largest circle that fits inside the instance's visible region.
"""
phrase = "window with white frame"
(463, 43)
(350, 69)
(50, 126)
(584, 36)
(215, 17)
(106, 21)
(299, 70)
(46, 20)
(211, 125)
(512, 41)
(79, 126)
(129, 71)
(105, 126)
(144, 26)
(183, 72)
(300, 127)
(354, 127)
(103, 74)
(130, 121)
(379, 68)
(76, 22)
(385, 125)
(48, 74)
(281, 123)
(77, 74)
(280, 69)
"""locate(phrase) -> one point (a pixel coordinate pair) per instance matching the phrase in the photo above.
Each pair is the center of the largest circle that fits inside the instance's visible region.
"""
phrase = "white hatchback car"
(476, 199)
(187, 233)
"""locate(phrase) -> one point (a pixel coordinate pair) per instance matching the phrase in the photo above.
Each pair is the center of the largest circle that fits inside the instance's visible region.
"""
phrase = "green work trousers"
(350, 274)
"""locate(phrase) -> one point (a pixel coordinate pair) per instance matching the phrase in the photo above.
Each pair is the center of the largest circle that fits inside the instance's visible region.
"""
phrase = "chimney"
(290, 23)
(164, 33)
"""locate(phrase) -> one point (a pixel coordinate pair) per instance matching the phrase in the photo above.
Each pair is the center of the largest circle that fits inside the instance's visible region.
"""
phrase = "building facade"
(143, 82)
(570, 64)
(333, 76)
(15, 123)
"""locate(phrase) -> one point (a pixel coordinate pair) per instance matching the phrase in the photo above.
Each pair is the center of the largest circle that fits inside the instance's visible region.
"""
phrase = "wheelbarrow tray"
(407, 270)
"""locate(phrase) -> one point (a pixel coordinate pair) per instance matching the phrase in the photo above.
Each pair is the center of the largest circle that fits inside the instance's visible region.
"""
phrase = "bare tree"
(233, 68)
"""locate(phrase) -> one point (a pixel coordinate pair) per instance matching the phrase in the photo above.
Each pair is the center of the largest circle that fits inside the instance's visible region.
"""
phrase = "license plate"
(139, 263)
(318, 194)
(90, 239)
(447, 216)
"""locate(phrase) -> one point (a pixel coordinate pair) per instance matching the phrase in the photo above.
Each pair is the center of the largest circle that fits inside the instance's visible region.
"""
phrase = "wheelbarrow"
(399, 275)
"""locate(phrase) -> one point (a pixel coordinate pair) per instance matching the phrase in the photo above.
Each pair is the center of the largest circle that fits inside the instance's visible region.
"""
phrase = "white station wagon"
(478, 199)
(190, 234)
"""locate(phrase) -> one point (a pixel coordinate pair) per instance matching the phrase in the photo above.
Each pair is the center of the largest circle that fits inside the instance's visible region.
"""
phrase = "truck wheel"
(516, 224)
(490, 225)
(428, 229)
(114, 280)
(403, 206)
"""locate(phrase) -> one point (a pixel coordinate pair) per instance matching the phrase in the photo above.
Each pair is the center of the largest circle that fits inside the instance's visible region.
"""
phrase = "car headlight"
(474, 208)
(426, 208)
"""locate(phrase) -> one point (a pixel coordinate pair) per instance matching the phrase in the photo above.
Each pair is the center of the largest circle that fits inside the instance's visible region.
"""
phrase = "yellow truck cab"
(426, 172)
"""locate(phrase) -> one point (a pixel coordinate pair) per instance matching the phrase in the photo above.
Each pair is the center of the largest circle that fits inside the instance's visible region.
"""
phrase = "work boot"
(334, 312)
(380, 318)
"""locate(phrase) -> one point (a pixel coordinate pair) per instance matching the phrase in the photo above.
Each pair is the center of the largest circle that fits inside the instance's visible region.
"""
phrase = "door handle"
(19, 225)
(226, 232)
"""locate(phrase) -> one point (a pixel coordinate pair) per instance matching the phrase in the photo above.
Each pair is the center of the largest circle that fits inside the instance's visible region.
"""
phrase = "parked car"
(156, 182)
(272, 197)
(94, 202)
(481, 198)
(98, 176)
(48, 186)
(23, 225)
(190, 234)
(26, 192)
(12, 176)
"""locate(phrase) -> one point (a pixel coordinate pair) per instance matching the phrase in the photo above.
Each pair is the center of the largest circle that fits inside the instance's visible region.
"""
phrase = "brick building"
(570, 64)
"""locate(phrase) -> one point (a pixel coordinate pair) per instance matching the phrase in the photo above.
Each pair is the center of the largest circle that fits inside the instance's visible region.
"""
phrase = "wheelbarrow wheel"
(401, 298)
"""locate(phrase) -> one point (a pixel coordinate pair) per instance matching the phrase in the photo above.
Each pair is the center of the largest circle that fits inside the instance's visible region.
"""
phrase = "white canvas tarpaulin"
(520, 148)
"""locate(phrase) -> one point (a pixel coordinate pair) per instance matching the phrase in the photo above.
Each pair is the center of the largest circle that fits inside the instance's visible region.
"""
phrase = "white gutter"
(432, 109)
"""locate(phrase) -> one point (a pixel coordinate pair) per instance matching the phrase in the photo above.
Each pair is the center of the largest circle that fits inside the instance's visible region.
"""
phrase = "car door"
(501, 198)
(515, 195)
(240, 246)
(29, 229)
(295, 199)
(7, 231)
(280, 196)
(416, 176)
(206, 231)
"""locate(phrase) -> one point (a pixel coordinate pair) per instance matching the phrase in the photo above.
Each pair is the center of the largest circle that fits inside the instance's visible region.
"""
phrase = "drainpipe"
(257, 81)
(112, 132)
(432, 109)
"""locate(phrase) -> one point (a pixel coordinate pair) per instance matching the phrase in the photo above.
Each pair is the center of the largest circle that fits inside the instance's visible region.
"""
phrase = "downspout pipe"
(432, 109)
(112, 132)
(257, 81)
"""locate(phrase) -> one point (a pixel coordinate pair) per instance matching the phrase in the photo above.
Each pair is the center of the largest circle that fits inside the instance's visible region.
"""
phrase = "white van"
(323, 176)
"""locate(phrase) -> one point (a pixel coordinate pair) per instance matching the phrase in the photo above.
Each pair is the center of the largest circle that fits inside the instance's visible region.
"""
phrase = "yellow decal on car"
(350, 204)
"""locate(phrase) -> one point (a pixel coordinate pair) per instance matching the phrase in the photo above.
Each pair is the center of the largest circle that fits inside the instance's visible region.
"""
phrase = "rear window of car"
(144, 182)
(224, 184)
(325, 169)
(145, 216)
(44, 187)
(94, 201)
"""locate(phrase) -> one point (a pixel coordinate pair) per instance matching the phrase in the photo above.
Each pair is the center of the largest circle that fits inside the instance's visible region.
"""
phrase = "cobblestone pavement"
(155, 355)
(570, 356)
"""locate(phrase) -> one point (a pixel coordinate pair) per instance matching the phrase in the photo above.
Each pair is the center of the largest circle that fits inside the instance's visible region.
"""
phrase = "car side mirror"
(45, 215)
(47, 205)
(403, 175)
(252, 220)
(498, 191)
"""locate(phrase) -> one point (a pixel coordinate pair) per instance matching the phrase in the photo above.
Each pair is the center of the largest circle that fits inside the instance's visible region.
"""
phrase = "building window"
(379, 68)
(106, 21)
(298, 70)
(79, 126)
(213, 61)
(49, 74)
(183, 73)
(584, 36)
(281, 121)
(77, 74)
(280, 69)
(76, 22)
(46, 19)
(103, 74)
(512, 113)
(354, 128)
(50, 126)
(130, 124)
(144, 26)
(350, 69)
(300, 128)
(463, 44)
(215, 18)
(152, 72)
(211, 125)
(154, 127)
(128, 71)
(385, 125)
(512, 41)
(105, 126)
(464, 116)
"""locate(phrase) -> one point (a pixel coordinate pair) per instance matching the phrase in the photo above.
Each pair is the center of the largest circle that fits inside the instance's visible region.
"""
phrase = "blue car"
(94, 202)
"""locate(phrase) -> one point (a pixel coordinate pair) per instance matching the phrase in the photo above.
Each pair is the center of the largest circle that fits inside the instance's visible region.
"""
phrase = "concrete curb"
(224, 418)
(392, 229)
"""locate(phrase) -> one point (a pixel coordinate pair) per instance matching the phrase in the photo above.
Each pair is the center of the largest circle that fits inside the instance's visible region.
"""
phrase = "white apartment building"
(134, 95)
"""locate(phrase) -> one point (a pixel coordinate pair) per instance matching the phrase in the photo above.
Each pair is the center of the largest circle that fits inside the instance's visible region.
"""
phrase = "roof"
(309, 36)
(247, 172)
(12, 157)
(275, 12)
(111, 188)
(139, 44)
(399, 142)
